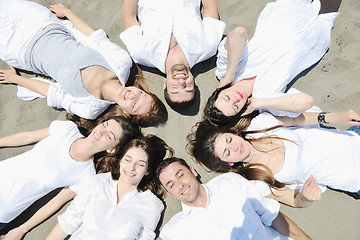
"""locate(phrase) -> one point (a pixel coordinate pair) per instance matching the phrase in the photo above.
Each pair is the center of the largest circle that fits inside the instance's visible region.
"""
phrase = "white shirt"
(234, 210)
(330, 155)
(29, 176)
(95, 214)
(148, 43)
(86, 107)
(289, 37)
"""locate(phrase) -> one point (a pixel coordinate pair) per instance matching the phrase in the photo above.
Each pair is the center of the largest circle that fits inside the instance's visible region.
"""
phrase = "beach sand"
(332, 82)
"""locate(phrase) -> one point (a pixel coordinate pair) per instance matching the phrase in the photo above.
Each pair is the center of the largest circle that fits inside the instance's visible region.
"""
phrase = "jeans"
(354, 129)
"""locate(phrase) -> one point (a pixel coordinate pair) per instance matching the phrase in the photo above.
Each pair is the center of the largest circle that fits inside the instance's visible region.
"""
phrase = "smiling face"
(232, 148)
(106, 136)
(133, 166)
(179, 83)
(134, 101)
(230, 101)
(180, 182)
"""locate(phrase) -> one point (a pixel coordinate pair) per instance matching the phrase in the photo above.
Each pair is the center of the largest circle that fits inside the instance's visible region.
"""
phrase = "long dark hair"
(214, 116)
(155, 148)
(201, 147)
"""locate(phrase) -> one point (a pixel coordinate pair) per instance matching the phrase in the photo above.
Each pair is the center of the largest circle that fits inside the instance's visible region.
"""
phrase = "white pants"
(20, 21)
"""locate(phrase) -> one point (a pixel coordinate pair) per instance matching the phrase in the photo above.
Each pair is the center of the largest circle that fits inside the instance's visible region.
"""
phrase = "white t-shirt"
(330, 155)
(29, 176)
(235, 210)
(289, 37)
(95, 214)
(148, 43)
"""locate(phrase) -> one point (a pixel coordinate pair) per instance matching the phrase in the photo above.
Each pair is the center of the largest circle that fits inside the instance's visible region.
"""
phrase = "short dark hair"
(167, 161)
(179, 106)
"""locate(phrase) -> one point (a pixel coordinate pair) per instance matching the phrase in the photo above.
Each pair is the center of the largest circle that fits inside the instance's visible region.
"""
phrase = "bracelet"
(307, 202)
(321, 118)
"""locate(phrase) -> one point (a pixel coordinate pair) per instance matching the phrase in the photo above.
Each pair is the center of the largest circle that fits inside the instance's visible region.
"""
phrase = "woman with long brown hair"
(122, 202)
(300, 158)
(91, 70)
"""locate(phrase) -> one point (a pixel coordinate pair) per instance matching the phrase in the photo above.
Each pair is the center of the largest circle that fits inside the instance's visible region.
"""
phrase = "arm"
(309, 193)
(234, 45)
(298, 102)
(61, 11)
(286, 226)
(129, 13)
(10, 76)
(210, 9)
(349, 118)
(57, 233)
(24, 138)
(43, 213)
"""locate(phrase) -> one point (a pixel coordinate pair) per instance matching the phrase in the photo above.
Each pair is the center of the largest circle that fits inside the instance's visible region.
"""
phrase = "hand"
(8, 76)
(348, 118)
(310, 192)
(225, 81)
(59, 10)
(14, 234)
(252, 106)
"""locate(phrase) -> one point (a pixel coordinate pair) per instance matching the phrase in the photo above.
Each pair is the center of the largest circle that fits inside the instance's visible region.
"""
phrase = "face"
(230, 101)
(133, 166)
(179, 83)
(180, 182)
(134, 101)
(106, 135)
(232, 148)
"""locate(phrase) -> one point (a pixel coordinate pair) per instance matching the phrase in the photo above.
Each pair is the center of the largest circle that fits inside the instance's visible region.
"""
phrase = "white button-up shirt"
(234, 210)
(95, 214)
(148, 43)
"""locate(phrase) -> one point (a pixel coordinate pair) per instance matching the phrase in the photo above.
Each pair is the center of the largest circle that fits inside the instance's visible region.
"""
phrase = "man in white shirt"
(227, 207)
(172, 36)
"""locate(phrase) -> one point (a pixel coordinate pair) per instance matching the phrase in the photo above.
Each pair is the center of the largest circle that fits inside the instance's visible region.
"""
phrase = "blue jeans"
(355, 195)
(354, 129)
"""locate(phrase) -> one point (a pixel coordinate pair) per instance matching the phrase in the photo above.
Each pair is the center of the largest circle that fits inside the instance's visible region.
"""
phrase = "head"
(202, 146)
(179, 179)
(179, 87)
(221, 103)
(139, 159)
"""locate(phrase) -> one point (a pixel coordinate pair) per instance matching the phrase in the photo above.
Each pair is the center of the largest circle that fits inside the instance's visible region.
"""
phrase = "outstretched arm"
(24, 138)
(57, 233)
(210, 9)
(286, 226)
(61, 11)
(10, 76)
(129, 13)
(347, 118)
(43, 213)
(234, 44)
(309, 193)
(297, 102)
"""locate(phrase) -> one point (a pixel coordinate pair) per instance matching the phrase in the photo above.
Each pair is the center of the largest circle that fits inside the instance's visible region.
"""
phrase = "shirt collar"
(186, 209)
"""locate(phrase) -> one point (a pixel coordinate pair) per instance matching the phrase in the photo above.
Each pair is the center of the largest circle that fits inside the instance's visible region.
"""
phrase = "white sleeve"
(58, 98)
(72, 218)
(148, 232)
(266, 208)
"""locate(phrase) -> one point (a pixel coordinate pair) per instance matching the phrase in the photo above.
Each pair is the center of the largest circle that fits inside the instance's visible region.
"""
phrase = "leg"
(328, 6)
(129, 13)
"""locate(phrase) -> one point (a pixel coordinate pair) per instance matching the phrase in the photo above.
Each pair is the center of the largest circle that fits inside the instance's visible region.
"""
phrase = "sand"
(333, 84)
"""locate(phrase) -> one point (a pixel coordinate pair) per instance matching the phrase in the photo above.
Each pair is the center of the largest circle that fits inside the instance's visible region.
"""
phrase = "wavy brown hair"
(201, 147)
(156, 112)
(155, 148)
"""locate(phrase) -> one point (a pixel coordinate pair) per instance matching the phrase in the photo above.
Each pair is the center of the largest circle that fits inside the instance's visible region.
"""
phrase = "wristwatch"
(321, 118)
